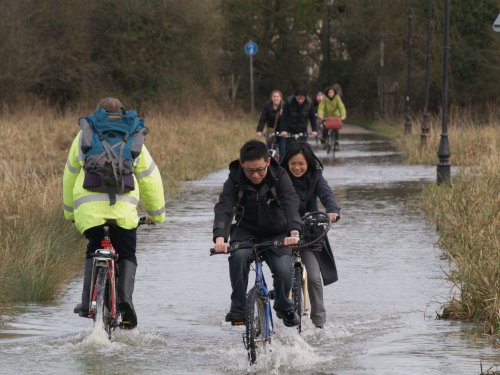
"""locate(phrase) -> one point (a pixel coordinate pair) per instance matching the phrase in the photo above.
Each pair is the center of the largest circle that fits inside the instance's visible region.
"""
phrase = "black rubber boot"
(82, 309)
(125, 289)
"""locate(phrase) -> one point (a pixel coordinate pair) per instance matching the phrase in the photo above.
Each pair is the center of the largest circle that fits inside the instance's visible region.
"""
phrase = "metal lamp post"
(408, 77)
(426, 118)
(381, 77)
(443, 168)
(329, 4)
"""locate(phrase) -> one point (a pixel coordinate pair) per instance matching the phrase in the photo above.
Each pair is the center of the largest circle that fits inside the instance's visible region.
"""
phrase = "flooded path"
(381, 312)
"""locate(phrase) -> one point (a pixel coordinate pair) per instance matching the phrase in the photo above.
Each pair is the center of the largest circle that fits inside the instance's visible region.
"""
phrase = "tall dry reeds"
(39, 250)
(468, 142)
(468, 217)
(467, 214)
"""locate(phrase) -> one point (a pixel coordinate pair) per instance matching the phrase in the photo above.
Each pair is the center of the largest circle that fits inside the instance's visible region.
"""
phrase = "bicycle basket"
(333, 122)
(313, 228)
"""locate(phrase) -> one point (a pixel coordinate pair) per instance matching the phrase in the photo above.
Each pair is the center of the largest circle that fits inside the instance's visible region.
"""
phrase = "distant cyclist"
(319, 97)
(259, 195)
(306, 173)
(331, 105)
(298, 112)
(270, 120)
(91, 209)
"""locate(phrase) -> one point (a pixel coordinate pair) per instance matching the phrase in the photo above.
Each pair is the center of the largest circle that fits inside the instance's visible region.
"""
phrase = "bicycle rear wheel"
(102, 310)
(255, 323)
(297, 293)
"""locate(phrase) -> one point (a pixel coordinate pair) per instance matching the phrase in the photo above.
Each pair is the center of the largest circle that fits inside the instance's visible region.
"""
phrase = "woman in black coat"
(305, 171)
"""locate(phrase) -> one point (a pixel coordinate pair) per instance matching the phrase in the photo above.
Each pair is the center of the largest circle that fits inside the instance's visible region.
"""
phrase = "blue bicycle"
(259, 325)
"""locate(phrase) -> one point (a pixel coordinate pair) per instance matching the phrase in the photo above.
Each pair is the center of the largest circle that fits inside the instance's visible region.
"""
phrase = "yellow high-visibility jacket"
(89, 209)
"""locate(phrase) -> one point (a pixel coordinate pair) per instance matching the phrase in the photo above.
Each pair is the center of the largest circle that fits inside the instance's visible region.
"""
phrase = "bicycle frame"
(272, 138)
(330, 140)
(260, 290)
(315, 227)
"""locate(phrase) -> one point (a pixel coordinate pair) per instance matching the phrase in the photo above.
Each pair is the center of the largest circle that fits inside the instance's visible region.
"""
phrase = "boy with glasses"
(260, 196)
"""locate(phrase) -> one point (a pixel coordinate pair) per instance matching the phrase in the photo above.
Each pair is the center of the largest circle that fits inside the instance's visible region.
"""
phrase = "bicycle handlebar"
(311, 218)
(144, 220)
(316, 218)
(289, 135)
(240, 246)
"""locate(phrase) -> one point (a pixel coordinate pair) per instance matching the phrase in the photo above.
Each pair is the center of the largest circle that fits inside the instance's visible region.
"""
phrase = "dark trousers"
(336, 131)
(239, 268)
(124, 241)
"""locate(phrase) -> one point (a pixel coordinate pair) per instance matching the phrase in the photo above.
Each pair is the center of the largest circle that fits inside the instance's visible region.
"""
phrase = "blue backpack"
(110, 142)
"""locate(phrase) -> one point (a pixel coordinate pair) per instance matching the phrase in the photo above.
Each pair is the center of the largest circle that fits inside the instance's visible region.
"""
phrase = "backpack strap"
(274, 196)
(239, 206)
(116, 164)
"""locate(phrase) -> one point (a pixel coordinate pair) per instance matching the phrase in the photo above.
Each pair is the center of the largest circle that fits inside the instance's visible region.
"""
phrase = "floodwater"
(381, 312)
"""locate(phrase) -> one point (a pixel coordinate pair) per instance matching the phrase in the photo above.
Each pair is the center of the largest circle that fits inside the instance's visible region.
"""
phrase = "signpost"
(496, 24)
(251, 49)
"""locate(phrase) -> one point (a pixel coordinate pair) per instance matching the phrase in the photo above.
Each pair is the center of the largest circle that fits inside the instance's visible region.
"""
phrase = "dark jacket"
(296, 117)
(270, 210)
(308, 191)
(268, 116)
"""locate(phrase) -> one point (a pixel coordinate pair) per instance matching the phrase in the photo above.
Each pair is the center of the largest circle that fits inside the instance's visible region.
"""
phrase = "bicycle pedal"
(238, 322)
(126, 325)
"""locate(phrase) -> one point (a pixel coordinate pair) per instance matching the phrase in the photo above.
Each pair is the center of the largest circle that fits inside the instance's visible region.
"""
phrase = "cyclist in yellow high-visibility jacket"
(91, 210)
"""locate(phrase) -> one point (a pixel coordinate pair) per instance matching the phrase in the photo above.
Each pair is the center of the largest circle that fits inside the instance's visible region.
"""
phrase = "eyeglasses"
(259, 171)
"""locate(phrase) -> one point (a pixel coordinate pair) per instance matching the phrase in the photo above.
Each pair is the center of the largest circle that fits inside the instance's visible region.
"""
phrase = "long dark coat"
(309, 190)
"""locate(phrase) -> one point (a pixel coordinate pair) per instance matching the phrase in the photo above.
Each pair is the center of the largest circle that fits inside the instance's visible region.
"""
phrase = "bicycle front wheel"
(332, 143)
(297, 293)
(255, 323)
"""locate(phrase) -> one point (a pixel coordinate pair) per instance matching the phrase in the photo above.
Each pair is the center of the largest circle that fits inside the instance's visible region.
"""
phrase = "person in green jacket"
(331, 105)
(91, 210)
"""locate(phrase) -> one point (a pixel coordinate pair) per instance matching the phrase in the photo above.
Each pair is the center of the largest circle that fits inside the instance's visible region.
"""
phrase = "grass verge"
(467, 214)
(468, 217)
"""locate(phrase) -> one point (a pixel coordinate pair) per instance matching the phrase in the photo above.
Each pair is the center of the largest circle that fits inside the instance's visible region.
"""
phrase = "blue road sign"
(251, 48)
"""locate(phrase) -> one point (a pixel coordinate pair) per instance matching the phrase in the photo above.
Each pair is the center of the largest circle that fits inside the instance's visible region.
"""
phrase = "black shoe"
(290, 318)
(78, 310)
(271, 294)
(319, 326)
(337, 147)
(322, 140)
(235, 319)
(129, 319)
